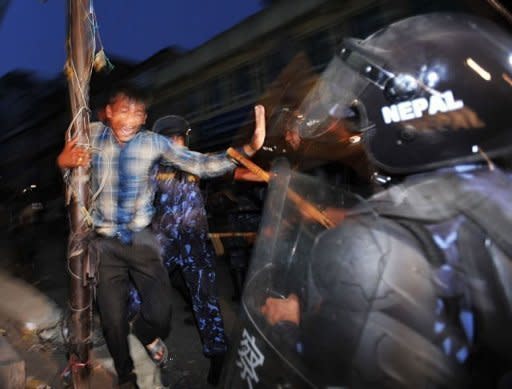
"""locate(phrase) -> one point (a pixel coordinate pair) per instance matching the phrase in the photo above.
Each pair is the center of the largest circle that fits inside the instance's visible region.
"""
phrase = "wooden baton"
(305, 206)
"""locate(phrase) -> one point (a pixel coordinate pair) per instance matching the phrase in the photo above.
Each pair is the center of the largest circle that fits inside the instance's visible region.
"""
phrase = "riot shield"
(400, 293)
(267, 354)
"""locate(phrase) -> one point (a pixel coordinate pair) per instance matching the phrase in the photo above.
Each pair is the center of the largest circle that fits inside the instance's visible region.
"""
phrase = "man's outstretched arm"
(215, 164)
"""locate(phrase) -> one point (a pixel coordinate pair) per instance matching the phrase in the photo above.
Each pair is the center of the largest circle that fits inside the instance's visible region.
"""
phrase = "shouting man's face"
(126, 116)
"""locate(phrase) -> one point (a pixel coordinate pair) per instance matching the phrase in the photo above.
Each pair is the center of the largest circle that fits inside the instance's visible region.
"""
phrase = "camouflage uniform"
(181, 227)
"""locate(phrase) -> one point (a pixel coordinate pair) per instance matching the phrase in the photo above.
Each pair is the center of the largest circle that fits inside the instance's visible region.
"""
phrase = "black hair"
(131, 91)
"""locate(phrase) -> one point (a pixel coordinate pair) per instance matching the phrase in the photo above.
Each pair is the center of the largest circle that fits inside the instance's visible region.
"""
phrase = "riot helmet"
(425, 92)
(172, 125)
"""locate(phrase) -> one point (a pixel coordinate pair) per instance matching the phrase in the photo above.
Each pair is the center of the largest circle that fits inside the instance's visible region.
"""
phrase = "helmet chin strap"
(478, 149)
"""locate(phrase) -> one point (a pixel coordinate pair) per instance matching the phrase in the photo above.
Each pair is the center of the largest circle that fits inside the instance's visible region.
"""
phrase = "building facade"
(216, 85)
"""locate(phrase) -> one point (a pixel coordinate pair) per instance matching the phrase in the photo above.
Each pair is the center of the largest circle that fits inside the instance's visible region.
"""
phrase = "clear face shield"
(334, 103)
(417, 103)
(337, 95)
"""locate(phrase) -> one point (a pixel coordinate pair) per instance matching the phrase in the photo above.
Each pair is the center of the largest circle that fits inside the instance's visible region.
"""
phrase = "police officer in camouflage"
(181, 226)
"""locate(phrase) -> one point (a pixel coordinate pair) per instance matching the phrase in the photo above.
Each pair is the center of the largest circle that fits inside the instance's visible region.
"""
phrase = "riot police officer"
(413, 288)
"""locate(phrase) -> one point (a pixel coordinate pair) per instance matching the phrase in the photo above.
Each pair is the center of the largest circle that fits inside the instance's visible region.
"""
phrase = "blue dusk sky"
(33, 32)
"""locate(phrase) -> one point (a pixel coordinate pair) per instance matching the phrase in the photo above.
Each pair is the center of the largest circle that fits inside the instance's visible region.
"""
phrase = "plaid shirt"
(122, 188)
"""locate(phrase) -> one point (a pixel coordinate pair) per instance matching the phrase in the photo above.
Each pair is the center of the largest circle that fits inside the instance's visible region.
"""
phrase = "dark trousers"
(139, 262)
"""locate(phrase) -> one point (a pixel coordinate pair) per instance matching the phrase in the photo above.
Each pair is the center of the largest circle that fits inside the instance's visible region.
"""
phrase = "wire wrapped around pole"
(80, 47)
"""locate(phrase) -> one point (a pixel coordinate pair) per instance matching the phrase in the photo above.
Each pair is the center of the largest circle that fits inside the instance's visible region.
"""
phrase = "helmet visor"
(334, 101)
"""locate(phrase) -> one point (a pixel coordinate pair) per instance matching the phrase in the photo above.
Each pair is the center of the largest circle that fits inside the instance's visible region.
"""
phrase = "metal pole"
(80, 48)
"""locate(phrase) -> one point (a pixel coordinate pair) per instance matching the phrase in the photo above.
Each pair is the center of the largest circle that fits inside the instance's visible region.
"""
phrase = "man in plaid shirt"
(121, 158)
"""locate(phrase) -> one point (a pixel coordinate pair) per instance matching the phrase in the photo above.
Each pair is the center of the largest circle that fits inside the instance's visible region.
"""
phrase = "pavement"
(34, 290)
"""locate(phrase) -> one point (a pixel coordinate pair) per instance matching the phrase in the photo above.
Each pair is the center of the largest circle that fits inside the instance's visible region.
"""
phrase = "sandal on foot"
(158, 352)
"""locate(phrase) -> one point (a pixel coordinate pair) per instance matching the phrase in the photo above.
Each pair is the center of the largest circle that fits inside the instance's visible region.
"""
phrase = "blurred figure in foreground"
(412, 289)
